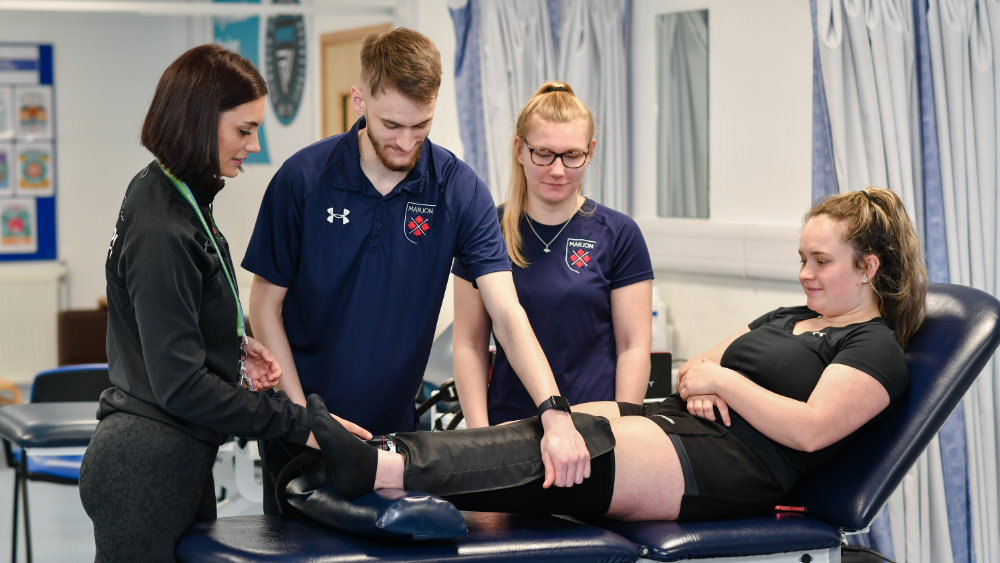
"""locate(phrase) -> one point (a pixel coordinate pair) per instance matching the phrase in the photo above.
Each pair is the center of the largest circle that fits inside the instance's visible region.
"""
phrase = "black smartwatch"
(554, 402)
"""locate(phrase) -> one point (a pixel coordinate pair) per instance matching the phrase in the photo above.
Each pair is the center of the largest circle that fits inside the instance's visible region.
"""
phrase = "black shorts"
(723, 477)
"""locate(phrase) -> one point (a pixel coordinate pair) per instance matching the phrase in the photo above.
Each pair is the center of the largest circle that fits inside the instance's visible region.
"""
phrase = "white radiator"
(29, 305)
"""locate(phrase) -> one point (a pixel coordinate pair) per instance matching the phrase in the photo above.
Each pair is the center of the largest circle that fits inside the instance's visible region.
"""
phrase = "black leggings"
(143, 483)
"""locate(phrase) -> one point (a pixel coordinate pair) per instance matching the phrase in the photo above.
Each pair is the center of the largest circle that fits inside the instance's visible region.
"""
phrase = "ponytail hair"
(877, 223)
(554, 102)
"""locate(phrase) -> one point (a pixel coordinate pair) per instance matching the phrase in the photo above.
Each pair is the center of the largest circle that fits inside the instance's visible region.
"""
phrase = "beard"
(381, 151)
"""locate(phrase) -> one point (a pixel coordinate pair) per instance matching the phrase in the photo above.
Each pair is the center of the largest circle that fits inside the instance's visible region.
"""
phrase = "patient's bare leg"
(649, 482)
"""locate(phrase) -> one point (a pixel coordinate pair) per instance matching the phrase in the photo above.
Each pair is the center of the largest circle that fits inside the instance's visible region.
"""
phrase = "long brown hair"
(554, 102)
(182, 125)
(877, 223)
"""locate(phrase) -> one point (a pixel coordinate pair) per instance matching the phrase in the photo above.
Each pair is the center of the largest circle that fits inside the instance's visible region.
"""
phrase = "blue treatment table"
(957, 338)
(492, 537)
(49, 425)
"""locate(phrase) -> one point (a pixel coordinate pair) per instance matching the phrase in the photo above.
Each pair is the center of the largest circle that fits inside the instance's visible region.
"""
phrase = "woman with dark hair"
(753, 416)
(183, 369)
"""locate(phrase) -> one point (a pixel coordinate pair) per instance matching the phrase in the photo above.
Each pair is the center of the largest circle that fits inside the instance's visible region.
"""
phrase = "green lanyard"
(240, 326)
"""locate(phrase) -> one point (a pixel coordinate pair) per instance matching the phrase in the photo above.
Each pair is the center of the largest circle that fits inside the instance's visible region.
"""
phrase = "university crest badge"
(417, 221)
(285, 56)
(579, 253)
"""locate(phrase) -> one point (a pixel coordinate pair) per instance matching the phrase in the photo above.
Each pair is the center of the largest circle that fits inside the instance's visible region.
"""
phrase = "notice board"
(27, 153)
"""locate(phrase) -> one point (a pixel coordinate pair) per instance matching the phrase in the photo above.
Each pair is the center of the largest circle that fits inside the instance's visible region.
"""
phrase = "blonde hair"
(404, 60)
(554, 102)
(877, 223)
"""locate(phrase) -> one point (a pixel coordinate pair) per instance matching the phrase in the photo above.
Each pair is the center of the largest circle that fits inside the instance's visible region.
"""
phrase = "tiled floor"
(60, 529)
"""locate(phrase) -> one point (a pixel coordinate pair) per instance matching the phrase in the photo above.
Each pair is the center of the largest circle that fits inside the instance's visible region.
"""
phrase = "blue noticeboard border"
(45, 207)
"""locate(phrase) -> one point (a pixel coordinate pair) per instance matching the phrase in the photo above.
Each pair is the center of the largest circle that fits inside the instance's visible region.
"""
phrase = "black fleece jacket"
(172, 343)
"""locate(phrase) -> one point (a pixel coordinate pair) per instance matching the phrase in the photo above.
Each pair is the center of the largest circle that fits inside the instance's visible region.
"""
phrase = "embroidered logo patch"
(579, 253)
(417, 221)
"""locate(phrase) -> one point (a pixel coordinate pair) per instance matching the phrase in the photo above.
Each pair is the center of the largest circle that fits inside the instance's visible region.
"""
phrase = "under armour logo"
(341, 216)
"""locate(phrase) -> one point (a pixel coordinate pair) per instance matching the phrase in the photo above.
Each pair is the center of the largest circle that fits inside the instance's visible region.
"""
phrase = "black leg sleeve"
(500, 468)
(590, 498)
(275, 454)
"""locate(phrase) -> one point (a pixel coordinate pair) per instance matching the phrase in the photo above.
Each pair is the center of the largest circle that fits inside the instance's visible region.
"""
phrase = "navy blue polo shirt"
(566, 294)
(366, 273)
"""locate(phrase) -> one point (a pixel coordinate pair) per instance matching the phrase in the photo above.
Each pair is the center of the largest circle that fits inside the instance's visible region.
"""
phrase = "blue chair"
(31, 427)
(959, 335)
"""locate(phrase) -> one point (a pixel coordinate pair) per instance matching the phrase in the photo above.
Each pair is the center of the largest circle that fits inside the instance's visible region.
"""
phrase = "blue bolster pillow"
(391, 514)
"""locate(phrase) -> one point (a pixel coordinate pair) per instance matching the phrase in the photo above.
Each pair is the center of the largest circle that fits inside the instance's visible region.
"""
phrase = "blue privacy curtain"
(906, 97)
(506, 50)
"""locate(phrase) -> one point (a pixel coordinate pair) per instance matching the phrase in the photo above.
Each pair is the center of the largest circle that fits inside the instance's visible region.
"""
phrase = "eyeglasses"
(545, 157)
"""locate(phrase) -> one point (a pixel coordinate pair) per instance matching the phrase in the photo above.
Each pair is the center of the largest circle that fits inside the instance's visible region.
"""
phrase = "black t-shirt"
(791, 365)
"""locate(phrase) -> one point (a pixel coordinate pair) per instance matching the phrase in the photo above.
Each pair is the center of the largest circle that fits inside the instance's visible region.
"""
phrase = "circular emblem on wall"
(285, 54)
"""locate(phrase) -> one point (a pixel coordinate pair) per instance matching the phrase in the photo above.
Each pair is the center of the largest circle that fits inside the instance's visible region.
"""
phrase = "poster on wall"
(6, 113)
(33, 110)
(27, 153)
(285, 62)
(7, 169)
(18, 227)
(242, 35)
(35, 173)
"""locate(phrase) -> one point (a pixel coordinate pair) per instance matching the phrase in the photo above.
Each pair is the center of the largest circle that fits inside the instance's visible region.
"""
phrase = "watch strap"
(554, 402)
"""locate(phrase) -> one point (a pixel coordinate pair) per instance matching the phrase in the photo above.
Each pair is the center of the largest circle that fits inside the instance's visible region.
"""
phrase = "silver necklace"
(540, 239)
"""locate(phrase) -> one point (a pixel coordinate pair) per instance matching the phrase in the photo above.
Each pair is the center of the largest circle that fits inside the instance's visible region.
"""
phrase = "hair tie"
(551, 89)
(868, 196)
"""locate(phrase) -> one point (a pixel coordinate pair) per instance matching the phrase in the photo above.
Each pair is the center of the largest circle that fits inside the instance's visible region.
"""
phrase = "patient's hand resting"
(700, 402)
(705, 405)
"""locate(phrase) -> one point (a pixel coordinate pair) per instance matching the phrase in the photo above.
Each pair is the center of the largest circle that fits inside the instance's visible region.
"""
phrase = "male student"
(352, 251)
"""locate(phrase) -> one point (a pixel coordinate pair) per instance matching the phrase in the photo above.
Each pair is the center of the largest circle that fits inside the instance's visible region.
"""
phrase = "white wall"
(106, 68)
(107, 65)
(717, 275)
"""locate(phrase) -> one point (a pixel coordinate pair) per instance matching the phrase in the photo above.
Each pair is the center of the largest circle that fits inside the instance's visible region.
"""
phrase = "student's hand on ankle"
(353, 428)
(564, 453)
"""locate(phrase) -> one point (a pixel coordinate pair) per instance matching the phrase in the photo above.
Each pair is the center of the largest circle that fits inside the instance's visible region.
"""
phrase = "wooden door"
(340, 57)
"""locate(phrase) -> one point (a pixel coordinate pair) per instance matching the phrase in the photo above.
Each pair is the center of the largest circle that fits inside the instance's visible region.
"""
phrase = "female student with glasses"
(582, 273)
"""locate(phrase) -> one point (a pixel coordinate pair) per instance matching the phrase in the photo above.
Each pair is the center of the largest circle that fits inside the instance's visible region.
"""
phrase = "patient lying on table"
(752, 416)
